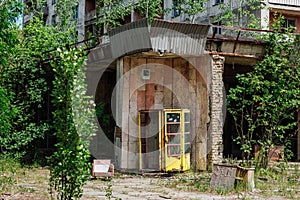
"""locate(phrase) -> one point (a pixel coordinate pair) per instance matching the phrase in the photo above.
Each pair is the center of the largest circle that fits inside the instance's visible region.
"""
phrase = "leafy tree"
(150, 9)
(25, 77)
(10, 10)
(190, 8)
(265, 100)
(111, 13)
(8, 39)
(65, 12)
(240, 13)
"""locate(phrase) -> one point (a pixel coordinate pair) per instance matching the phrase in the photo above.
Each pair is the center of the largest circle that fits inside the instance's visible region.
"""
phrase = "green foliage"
(108, 191)
(25, 78)
(242, 16)
(83, 108)
(103, 117)
(10, 10)
(34, 8)
(150, 9)
(190, 8)
(70, 167)
(265, 102)
(65, 11)
(112, 13)
(7, 113)
(278, 179)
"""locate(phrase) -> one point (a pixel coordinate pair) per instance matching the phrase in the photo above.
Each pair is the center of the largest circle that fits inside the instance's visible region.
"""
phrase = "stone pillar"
(215, 144)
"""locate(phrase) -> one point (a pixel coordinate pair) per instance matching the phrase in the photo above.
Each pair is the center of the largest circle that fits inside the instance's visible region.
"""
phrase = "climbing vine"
(73, 125)
(112, 13)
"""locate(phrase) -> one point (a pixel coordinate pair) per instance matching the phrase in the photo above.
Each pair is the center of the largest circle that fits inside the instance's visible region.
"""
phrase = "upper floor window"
(76, 13)
(176, 8)
(53, 20)
(217, 30)
(216, 2)
(289, 23)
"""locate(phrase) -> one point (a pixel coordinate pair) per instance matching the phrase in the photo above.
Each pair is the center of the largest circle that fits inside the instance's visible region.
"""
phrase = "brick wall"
(216, 116)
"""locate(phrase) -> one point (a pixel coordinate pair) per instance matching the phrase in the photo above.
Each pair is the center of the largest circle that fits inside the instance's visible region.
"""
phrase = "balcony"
(90, 15)
(285, 2)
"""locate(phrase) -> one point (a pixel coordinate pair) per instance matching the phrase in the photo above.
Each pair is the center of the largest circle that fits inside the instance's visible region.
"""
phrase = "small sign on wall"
(146, 74)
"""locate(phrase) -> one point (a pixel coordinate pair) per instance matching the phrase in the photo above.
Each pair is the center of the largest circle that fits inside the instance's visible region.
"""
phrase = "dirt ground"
(134, 187)
(140, 187)
(32, 184)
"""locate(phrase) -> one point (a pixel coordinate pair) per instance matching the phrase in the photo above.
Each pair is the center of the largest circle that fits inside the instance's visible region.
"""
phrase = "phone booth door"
(177, 140)
(150, 140)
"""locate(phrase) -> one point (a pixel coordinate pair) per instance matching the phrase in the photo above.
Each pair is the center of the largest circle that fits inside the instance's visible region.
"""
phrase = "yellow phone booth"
(164, 140)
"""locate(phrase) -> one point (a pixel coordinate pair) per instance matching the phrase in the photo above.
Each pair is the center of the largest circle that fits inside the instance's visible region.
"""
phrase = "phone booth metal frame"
(164, 140)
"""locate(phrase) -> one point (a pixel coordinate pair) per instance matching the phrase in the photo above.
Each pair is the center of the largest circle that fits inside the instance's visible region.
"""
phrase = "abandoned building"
(147, 77)
(165, 84)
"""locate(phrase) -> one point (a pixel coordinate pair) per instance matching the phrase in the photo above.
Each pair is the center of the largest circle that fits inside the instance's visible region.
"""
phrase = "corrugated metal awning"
(179, 38)
(130, 38)
(162, 36)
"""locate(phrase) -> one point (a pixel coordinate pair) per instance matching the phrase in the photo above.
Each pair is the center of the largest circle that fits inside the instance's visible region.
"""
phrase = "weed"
(125, 192)
(202, 186)
(108, 191)
(278, 180)
(222, 190)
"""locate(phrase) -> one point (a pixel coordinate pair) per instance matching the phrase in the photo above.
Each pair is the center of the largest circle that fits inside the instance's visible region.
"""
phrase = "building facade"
(86, 13)
(209, 74)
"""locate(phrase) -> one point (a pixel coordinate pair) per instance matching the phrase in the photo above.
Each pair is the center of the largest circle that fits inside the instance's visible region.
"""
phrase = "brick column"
(216, 122)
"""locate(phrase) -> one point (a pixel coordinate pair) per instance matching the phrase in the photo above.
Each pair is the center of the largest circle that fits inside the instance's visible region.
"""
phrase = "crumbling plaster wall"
(175, 83)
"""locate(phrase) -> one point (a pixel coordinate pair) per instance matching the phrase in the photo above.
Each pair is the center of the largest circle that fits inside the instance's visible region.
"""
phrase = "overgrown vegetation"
(17, 181)
(277, 180)
(114, 13)
(70, 164)
(240, 14)
(23, 75)
(265, 102)
(188, 8)
(111, 13)
(22, 81)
